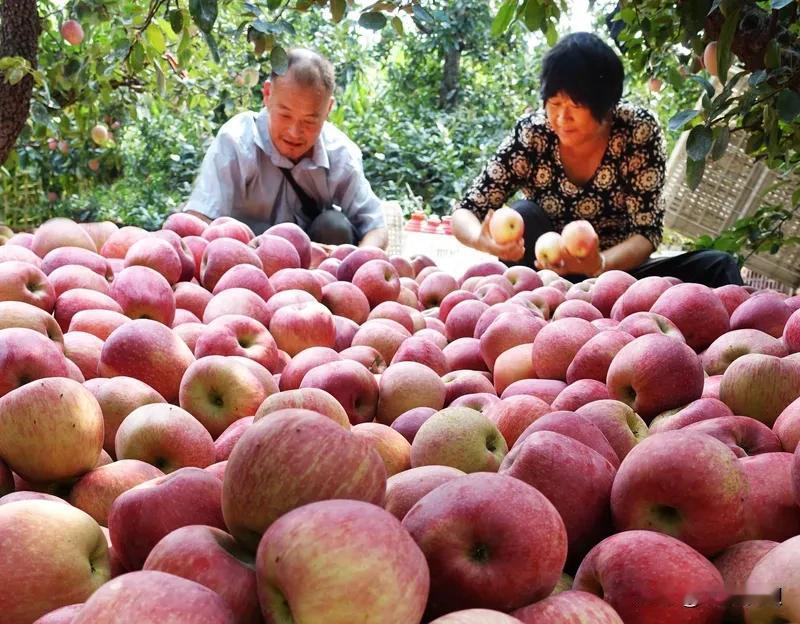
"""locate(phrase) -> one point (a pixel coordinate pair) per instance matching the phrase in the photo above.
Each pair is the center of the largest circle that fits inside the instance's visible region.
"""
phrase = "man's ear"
(266, 90)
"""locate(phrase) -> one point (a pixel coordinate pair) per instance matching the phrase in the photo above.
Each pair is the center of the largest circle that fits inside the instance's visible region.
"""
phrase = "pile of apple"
(202, 425)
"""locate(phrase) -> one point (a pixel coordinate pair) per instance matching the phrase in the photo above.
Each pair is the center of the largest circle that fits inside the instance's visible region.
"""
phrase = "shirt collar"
(319, 155)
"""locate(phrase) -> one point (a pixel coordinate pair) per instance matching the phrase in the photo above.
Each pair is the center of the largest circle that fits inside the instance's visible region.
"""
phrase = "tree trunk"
(19, 36)
(448, 90)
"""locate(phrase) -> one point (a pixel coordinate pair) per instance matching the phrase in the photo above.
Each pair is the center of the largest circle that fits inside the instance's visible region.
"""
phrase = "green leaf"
(698, 143)
(136, 58)
(274, 4)
(722, 136)
(796, 197)
(777, 5)
(372, 20)
(176, 20)
(772, 54)
(703, 81)
(421, 14)
(725, 42)
(788, 105)
(279, 60)
(397, 25)
(551, 34)
(156, 38)
(679, 120)
(694, 172)
(534, 12)
(754, 141)
(338, 8)
(504, 17)
(14, 75)
(757, 77)
(212, 46)
(204, 14)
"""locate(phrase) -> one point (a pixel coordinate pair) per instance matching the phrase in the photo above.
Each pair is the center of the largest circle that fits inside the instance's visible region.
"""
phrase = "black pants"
(330, 227)
(710, 267)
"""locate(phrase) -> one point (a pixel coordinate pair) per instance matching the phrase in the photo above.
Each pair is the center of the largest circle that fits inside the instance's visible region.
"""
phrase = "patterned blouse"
(623, 197)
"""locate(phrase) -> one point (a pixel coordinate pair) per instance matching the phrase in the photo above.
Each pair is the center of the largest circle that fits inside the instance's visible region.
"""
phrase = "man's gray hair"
(310, 69)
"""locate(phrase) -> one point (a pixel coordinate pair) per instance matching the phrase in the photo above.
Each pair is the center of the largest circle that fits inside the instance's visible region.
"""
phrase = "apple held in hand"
(579, 238)
(506, 225)
(548, 248)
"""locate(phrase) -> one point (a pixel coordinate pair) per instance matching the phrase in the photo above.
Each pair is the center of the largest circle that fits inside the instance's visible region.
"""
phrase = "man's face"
(296, 115)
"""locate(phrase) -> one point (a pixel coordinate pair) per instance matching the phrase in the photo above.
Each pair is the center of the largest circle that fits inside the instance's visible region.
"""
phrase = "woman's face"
(573, 123)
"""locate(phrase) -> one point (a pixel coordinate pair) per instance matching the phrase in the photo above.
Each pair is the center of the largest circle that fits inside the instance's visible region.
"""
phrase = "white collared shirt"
(240, 177)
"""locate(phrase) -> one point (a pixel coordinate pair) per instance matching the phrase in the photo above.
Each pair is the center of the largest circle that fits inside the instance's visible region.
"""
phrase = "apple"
(491, 541)
(218, 391)
(192, 297)
(350, 383)
(53, 555)
(460, 382)
(655, 373)
(512, 415)
(117, 398)
(356, 259)
(641, 323)
(710, 58)
(212, 558)
(313, 399)
(297, 237)
(384, 335)
(649, 577)
(405, 488)
(148, 351)
(771, 512)
(152, 597)
(548, 249)
(394, 449)
(775, 579)
(118, 243)
(156, 254)
(593, 359)
(791, 333)
(641, 295)
(556, 345)
(224, 444)
(60, 232)
(735, 343)
(144, 514)
(237, 334)
(366, 355)
(185, 224)
(298, 326)
(346, 299)
(22, 281)
(296, 575)
(579, 239)
(683, 304)
(704, 408)
(580, 393)
(142, 292)
(573, 426)
(735, 564)
(459, 437)
(237, 301)
(378, 280)
(73, 301)
(622, 427)
(420, 350)
(62, 615)
(744, 436)
(165, 436)
(609, 287)
(435, 287)
(465, 354)
(480, 401)
(83, 349)
(787, 426)
(27, 355)
(95, 491)
(228, 228)
(291, 458)
(275, 253)
(576, 308)
(506, 331)
(10, 252)
(765, 312)
(574, 477)
(222, 254)
(515, 366)
(71, 276)
(506, 225)
(406, 385)
(50, 430)
(760, 386)
(564, 607)
(700, 502)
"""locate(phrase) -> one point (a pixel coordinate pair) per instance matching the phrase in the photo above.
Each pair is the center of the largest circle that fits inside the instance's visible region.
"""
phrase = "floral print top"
(623, 197)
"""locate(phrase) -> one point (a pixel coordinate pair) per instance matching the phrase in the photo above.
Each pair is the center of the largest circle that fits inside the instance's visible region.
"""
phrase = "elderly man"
(287, 163)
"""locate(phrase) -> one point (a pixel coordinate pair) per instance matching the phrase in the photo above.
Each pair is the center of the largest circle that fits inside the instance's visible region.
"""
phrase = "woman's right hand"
(512, 251)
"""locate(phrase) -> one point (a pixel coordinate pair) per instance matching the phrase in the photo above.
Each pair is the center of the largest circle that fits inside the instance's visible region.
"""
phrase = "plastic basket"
(733, 187)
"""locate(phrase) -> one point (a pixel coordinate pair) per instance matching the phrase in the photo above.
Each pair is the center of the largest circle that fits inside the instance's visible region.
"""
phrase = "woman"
(589, 156)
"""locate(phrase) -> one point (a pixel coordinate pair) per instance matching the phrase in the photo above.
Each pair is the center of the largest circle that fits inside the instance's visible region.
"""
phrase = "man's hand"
(512, 251)
(570, 265)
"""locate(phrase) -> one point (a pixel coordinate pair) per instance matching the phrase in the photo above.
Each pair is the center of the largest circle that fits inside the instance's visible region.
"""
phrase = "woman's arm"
(471, 232)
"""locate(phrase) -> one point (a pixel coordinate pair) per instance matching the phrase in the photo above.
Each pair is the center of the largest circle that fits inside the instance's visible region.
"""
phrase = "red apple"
(351, 384)
(404, 489)
(406, 385)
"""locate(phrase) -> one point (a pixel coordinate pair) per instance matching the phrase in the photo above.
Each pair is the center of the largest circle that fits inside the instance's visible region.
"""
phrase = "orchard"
(198, 424)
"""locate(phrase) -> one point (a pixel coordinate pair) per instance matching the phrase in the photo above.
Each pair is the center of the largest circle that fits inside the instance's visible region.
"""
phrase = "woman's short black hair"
(585, 68)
